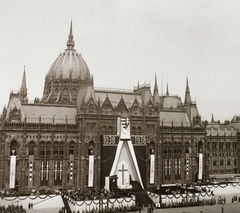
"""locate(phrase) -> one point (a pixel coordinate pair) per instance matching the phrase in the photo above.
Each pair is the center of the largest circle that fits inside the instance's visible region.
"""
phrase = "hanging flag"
(30, 171)
(71, 170)
(12, 172)
(42, 171)
(56, 170)
(91, 171)
(152, 166)
(60, 170)
(47, 171)
(31, 165)
(200, 166)
(187, 166)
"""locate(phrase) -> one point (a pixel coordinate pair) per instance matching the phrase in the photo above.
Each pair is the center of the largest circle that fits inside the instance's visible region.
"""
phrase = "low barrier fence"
(177, 200)
(52, 201)
(101, 205)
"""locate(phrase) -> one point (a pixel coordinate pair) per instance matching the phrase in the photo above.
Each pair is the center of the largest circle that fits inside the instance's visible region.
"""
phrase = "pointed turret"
(156, 97)
(212, 118)
(187, 95)
(23, 89)
(167, 92)
(70, 42)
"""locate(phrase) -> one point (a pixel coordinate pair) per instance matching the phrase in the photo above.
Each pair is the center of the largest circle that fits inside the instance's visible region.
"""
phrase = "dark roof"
(116, 97)
(49, 113)
(175, 118)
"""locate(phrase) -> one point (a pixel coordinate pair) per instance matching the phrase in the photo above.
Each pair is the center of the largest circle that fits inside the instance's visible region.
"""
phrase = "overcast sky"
(127, 41)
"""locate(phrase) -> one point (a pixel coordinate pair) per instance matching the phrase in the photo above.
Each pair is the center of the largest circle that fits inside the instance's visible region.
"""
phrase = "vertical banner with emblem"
(152, 166)
(12, 172)
(91, 171)
(187, 166)
(71, 168)
(31, 163)
(125, 129)
(200, 166)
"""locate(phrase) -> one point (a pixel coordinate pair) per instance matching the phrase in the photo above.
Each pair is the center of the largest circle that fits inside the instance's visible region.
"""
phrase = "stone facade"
(54, 137)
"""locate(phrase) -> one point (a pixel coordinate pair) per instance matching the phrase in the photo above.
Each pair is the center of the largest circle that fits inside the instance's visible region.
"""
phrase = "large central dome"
(66, 75)
(69, 64)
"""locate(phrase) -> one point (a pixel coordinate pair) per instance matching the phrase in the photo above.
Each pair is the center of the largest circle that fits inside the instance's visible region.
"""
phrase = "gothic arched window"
(71, 148)
(48, 148)
(55, 148)
(228, 162)
(139, 130)
(200, 147)
(31, 148)
(90, 148)
(91, 108)
(13, 148)
(133, 130)
(61, 148)
(42, 149)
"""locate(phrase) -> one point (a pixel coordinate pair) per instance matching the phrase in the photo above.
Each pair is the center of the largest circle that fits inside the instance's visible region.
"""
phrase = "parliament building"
(78, 136)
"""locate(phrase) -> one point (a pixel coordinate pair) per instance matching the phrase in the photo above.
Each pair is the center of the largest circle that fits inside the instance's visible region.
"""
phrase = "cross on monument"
(122, 170)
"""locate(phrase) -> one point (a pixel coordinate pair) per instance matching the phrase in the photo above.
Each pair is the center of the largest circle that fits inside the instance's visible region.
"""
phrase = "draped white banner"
(12, 172)
(200, 166)
(90, 171)
(152, 166)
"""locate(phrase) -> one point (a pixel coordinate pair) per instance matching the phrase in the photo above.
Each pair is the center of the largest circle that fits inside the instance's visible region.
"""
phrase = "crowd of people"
(12, 209)
(110, 210)
(12, 193)
(95, 194)
(198, 202)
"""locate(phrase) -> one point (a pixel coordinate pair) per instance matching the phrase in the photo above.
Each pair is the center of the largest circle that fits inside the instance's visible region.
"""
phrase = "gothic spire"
(187, 95)
(167, 92)
(155, 84)
(155, 92)
(23, 89)
(70, 42)
(24, 84)
(212, 118)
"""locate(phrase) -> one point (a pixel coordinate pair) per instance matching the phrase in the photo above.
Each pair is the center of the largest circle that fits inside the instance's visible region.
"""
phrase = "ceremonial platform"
(73, 201)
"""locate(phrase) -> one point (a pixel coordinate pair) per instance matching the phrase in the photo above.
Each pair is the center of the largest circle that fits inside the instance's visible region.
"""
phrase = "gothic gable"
(150, 109)
(15, 115)
(197, 121)
(91, 106)
(121, 107)
(135, 108)
(106, 106)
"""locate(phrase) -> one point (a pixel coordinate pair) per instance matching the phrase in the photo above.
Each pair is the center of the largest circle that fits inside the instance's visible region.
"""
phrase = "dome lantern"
(70, 42)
